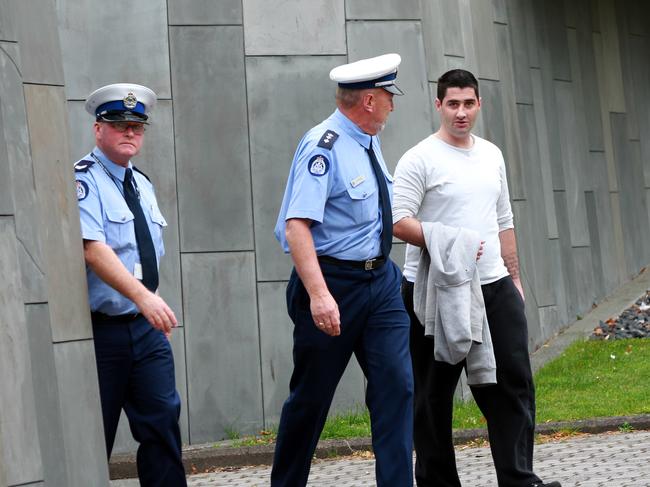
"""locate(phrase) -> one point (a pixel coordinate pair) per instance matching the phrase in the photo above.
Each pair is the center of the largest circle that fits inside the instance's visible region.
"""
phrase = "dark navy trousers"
(508, 406)
(375, 328)
(136, 372)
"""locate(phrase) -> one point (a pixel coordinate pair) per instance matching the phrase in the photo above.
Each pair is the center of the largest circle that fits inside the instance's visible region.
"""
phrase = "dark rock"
(634, 322)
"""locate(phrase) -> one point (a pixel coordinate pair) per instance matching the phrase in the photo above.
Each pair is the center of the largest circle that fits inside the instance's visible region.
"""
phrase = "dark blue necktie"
(384, 204)
(142, 234)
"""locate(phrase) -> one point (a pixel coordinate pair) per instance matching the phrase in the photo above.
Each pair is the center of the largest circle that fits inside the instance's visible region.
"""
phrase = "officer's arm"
(409, 230)
(109, 268)
(508, 243)
(324, 309)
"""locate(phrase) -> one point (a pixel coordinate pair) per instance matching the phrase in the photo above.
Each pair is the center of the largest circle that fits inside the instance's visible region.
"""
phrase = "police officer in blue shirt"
(343, 295)
(121, 227)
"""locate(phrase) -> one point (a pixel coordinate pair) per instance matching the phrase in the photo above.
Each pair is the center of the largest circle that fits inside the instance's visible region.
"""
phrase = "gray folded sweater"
(448, 301)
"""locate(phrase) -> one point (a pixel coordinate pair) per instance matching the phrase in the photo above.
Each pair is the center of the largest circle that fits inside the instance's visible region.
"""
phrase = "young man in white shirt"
(459, 179)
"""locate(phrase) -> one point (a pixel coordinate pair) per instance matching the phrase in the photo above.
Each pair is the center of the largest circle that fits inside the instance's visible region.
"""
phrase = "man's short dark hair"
(456, 78)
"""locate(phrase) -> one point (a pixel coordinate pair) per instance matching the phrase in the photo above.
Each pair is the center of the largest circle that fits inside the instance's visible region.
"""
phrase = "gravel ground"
(634, 322)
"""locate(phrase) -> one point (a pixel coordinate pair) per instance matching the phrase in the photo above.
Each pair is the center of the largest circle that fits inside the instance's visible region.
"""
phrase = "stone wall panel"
(82, 446)
(22, 453)
(94, 55)
(211, 135)
(205, 12)
(293, 27)
(222, 345)
(59, 212)
(382, 9)
(41, 55)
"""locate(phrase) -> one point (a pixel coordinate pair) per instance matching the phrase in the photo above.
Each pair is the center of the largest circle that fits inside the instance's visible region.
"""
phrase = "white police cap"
(375, 72)
(121, 102)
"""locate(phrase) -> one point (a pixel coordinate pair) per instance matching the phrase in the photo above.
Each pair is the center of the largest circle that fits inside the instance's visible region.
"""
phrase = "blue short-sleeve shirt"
(331, 182)
(105, 217)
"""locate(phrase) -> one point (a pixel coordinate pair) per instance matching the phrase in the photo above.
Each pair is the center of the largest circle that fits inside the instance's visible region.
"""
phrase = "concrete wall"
(564, 87)
(50, 422)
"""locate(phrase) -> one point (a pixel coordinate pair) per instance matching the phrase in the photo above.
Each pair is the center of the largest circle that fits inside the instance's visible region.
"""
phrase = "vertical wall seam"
(250, 176)
(178, 219)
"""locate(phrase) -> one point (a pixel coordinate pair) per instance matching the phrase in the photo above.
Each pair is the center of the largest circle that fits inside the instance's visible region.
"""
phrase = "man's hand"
(480, 251)
(324, 309)
(156, 311)
(519, 287)
(107, 265)
(325, 313)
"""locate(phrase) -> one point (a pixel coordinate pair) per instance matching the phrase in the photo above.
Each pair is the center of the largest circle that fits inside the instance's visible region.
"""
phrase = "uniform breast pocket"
(364, 205)
(120, 233)
(158, 224)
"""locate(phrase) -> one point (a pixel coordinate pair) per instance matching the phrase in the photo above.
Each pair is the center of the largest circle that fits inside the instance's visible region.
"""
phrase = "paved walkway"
(608, 459)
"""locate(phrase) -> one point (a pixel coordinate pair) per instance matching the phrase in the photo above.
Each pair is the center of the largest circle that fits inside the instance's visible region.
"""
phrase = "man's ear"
(437, 104)
(369, 101)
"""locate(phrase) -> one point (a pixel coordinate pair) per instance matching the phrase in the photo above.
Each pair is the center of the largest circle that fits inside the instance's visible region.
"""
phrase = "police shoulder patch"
(83, 165)
(319, 165)
(82, 190)
(328, 139)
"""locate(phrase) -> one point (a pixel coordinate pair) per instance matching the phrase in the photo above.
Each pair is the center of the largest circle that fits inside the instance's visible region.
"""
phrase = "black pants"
(508, 406)
(136, 373)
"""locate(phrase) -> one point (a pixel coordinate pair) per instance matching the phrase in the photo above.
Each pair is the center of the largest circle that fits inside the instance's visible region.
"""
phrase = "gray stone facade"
(564, 86)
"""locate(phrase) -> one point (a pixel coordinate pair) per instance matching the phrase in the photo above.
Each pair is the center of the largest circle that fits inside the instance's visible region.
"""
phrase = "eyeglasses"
(138, 128)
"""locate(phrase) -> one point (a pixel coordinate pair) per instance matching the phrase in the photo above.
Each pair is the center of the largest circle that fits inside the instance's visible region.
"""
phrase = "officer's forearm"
(409, 230)
(508, 243)
(303, 253)
(109, 268)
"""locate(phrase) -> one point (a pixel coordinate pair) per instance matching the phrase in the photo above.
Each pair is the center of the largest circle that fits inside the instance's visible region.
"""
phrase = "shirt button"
(123, 217)
(365, 195)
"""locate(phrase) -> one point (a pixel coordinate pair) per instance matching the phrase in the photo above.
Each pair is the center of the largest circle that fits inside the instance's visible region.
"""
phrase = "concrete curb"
(204, 458)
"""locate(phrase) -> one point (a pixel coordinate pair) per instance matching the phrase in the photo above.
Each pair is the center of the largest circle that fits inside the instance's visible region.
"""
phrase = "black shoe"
(550, 484)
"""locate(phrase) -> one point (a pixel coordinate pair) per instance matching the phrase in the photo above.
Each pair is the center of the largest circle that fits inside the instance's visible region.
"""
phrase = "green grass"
(347, 425)
(590, 379)
(594, 379)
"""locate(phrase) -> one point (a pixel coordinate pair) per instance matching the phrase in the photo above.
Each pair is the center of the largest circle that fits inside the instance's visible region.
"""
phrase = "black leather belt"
(101, 318)
(366, 265)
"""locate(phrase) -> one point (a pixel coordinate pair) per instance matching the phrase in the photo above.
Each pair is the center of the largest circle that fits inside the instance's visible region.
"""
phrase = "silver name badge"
(357, 181)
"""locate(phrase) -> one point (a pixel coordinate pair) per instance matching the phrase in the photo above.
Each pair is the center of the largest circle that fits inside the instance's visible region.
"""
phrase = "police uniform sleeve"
(90, 208)
(312, 172)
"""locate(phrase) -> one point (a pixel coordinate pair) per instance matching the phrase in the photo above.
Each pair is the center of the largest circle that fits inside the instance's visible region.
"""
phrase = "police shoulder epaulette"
(138, 170)
(328, 139)
(83, 165)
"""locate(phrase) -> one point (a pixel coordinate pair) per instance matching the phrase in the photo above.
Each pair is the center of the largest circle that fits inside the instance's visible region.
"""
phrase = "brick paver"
(608, 459)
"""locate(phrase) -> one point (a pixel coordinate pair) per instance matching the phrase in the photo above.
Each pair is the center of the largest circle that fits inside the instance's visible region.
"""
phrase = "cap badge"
(130, 101)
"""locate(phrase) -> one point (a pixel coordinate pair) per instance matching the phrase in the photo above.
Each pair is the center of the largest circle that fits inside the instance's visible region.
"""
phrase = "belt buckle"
(369, 264)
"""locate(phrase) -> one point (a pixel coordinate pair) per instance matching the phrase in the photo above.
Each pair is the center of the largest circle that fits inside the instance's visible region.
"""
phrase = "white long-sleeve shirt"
(438, 182)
